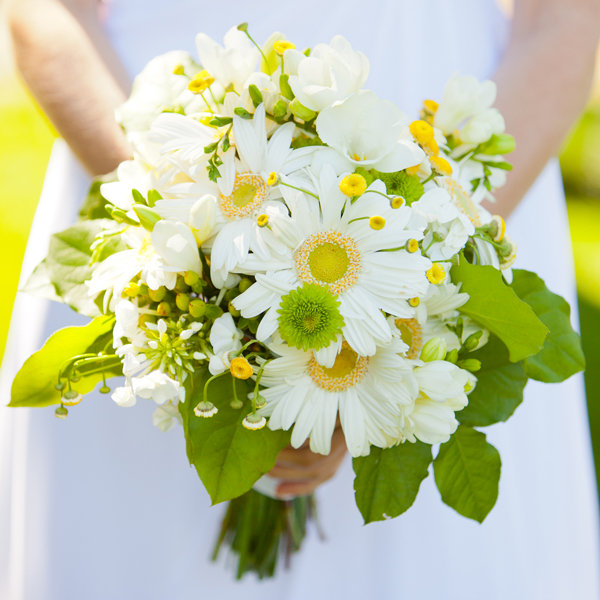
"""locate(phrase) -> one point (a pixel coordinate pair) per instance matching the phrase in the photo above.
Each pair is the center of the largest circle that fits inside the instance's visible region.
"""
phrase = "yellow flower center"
(280, 46)
(262, 220)
(201, 82)
(462, 200)
(353, 185)
(179, 70)
(397, 202)
(329, 258)
(357, 157)
(414, 302)
(436, 274)
(412, 245)
(347, 371)
(376, 222)
(441, 165)
(249, 192)
(240, 368)
(412, 335)
(422, 131)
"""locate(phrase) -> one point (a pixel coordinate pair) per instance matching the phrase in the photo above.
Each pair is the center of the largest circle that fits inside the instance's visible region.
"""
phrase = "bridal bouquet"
(287, 254)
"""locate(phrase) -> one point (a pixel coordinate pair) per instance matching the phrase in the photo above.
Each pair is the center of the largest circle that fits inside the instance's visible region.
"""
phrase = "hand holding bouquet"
(286, 253)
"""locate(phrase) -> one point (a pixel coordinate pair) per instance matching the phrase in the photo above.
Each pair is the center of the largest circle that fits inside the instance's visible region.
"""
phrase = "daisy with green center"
(329, 242)
(366, 392)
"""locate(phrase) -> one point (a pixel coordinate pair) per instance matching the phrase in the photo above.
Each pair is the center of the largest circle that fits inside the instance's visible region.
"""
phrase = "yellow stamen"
(412, 245)
(376, 222)
(280, 46)
(501, 228)
(436, 274)
(262, 220)
(240, 368)
(272, 179)
(179, 70)
(411, 333)
(441, 165)
(353, 185)
(414, 302)
(201, 82)
(347, 371)
(397, 202)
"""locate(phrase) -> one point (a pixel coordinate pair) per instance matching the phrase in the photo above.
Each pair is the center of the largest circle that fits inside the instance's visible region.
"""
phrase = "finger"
(304, 487)
(319, 463)
(304, 456)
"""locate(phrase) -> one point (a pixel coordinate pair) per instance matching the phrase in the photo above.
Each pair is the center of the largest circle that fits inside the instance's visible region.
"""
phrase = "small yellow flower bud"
(397, 202)
(353, 185)
(158, 294)
(441, 165)
(430, 106)
(414, 302)
(240, 368)
(163, 309)
(280, 46)
(191, 278)
(272, 179)
(179, 70)
(201, 82)
(412, 245)
(436, 274)
(262, 220)
(376, 222)
(434, 349)
(182, 301)
(421, 131)
(413, 170)
(197, 308)
(131, 290)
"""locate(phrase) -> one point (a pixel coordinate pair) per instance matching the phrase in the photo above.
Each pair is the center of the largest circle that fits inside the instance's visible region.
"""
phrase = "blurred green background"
(26, 138)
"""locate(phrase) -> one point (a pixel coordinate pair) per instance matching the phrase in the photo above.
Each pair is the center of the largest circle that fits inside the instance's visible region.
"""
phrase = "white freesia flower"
(131, 174)
(365, 131)
(466, 107)
(447, 227)
(124, 396)
(231, 64)
(225, 339)
(330, 242)
(176, 245)
(331, 73)
(368, 393)
(156, 386)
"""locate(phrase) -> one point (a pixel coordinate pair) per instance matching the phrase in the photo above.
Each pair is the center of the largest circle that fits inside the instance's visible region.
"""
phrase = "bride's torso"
(413, 45)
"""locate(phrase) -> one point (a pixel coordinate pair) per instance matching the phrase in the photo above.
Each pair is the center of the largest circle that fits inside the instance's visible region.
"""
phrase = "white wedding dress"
(104, 506)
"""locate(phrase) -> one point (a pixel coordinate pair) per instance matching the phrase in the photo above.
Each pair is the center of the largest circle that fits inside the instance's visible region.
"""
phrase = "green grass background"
(26, 139)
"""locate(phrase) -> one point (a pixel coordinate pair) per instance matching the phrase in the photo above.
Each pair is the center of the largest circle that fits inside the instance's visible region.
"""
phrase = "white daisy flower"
(334, 243)
(225, 339)
(368, 392)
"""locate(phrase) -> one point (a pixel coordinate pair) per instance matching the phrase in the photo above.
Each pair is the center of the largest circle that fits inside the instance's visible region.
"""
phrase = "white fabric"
(104, 506)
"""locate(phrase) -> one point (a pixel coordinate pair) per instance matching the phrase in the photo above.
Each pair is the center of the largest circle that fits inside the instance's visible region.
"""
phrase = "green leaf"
(387, 480)
(62, 274)
(499, 388)
(35, 383)
(562, 354)
(94, 206)
(495, 305)
(467, 472)
(228, 457)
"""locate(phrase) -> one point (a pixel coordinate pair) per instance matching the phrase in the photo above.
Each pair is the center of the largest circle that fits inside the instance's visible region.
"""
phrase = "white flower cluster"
(288, 227)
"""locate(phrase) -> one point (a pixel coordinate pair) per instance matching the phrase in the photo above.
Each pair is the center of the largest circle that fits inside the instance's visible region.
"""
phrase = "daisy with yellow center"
(354, 250)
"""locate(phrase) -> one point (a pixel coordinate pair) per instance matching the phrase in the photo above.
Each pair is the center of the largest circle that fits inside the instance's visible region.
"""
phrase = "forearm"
(57, 52)
(543, 84)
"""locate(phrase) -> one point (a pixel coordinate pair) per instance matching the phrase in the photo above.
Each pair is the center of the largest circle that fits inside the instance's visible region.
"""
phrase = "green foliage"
(562, 354)
(228, 457)
(35, 383)
(387, 480)
(495, 305)
(402, 184)
(467, 472)
(499, 389)
(61, 275)
(94, 206)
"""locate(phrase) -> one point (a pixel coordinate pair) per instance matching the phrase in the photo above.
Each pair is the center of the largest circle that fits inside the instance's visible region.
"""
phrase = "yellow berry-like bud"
(272, 178)
(280, 46)
(412, 245)
(353, 185)
(436, 274)
(240, 368)
(413, 170)
(430, 106)
(197, 308)
(158, 294)
(397, 202)
(441, 165)
(501, 228)
(422, 131)
(191, 278)
(376, 222)
(262, 220)
(179, 70)
(414, 302)
(201, 82)
(182, 301)
(163, 309)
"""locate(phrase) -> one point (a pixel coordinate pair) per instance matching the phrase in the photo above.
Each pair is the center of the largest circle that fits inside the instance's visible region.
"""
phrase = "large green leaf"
(495, 305)
(62, 274)
(35, 383)
(467, 472)
(228, 457)
(387, 480)
(562, 354)
(499, 388)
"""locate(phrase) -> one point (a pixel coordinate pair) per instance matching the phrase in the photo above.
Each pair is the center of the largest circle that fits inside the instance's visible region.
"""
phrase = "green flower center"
(328, 262)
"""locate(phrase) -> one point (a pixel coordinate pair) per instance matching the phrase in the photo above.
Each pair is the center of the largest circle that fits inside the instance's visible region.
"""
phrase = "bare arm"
(73, 73)
(543, 83)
